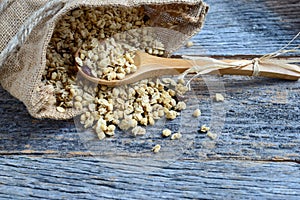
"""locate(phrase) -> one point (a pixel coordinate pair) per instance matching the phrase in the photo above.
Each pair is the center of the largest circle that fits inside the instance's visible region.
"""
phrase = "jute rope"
(49, 9)
(256, 63)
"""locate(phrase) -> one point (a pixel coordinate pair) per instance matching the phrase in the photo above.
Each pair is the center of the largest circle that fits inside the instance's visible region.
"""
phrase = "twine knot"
(256, 62)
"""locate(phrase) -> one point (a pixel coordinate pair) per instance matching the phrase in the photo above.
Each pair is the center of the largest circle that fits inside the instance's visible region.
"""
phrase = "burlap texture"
(22, 72)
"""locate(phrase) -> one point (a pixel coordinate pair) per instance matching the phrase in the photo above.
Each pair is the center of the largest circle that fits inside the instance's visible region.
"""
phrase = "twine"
(255, 62)
(49, 9)
(213, 65)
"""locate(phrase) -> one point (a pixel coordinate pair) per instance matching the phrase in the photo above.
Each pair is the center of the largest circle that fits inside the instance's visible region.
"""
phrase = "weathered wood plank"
(47, 178)
(251, 27)
(258, 121)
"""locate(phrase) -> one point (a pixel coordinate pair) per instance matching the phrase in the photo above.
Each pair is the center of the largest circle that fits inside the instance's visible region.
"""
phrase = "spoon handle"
(270, 68)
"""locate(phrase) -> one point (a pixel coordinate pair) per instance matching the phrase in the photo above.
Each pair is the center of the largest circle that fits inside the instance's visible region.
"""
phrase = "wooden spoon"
(152, 66)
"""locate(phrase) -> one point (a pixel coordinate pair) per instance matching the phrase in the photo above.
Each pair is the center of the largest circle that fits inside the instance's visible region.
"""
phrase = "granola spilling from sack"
(106, 52)
(39, 44)
(129, 107)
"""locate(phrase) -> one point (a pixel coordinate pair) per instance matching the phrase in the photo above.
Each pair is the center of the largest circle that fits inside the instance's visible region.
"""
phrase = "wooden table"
(256, 154)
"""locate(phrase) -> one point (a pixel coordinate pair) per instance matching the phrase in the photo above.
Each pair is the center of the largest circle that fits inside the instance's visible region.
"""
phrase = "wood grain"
(250, 27)
(260, 123)
(256, 154)
(81, 178)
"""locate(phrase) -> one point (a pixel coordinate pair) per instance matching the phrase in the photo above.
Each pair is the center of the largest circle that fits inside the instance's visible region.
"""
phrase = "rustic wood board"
(260, 123)
(86, 178)
(256, 154)
(246, 27)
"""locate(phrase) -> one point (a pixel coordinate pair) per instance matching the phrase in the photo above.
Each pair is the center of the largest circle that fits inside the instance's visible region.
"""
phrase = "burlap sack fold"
(21, 72)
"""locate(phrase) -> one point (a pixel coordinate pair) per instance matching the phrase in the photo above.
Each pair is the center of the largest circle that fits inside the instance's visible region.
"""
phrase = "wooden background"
(256, 154)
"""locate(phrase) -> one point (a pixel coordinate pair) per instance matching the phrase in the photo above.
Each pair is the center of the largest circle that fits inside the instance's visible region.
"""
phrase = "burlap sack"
(26, 28)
